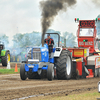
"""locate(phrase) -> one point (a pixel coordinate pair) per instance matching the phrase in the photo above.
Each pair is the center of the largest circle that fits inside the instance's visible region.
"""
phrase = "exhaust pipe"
(42, 40)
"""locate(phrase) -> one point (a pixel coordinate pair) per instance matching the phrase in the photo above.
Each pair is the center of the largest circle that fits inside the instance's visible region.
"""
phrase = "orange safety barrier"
(16, 69)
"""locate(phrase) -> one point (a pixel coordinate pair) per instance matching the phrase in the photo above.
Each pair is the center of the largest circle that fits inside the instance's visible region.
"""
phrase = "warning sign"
(78, 53)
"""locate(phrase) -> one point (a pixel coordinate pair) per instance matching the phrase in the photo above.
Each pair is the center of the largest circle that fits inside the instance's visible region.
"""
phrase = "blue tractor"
(40, 61)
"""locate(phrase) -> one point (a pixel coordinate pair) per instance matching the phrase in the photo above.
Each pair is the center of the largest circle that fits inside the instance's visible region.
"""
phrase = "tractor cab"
(1, 46)
(86, 34)
(42, 54)
(52, 48)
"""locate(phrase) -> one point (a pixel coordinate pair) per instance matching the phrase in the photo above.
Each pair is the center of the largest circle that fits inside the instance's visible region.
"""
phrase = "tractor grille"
(37, 53)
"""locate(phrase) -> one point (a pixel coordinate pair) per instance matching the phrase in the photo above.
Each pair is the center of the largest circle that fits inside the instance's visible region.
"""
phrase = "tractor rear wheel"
(23, 75)
(50, 72)
(64, 65)
(5, 59)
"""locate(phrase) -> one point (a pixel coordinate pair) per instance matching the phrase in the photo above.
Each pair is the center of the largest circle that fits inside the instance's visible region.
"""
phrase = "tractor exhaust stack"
(42, 40)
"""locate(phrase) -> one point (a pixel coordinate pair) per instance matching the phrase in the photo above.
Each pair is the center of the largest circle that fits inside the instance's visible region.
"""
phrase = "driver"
(49, 41)
(90, 33)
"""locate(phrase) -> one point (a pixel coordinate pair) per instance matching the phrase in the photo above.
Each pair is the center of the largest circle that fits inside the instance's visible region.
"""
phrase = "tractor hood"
(40, 53)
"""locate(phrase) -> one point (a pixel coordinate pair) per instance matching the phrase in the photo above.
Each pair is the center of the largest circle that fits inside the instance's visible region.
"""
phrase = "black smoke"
(96, 2)
(51, 8)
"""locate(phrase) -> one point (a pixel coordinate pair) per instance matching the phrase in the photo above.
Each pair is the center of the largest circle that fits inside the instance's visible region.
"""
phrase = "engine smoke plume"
(97, 2)
(50, 9)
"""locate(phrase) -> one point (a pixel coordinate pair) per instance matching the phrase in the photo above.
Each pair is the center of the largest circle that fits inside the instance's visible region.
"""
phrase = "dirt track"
(12, 87)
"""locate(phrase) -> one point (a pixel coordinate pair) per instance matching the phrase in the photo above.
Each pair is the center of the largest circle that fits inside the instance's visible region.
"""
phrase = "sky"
(24, 16)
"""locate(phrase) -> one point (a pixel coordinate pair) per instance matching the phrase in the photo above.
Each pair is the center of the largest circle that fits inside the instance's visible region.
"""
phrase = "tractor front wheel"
(50, 72)
(23, 75)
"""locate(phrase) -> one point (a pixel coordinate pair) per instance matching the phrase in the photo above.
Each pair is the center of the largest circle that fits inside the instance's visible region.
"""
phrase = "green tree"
(34, 39)
(70, 39)
(4, 38)
(27, 39)
(17, 40)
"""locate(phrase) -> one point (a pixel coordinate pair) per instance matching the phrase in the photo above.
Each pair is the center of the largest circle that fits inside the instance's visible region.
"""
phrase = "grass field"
(8, 71)
(83, 96)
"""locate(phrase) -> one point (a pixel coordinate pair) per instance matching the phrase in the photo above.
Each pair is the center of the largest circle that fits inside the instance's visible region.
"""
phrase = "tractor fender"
(3, 52)
(57, 51)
